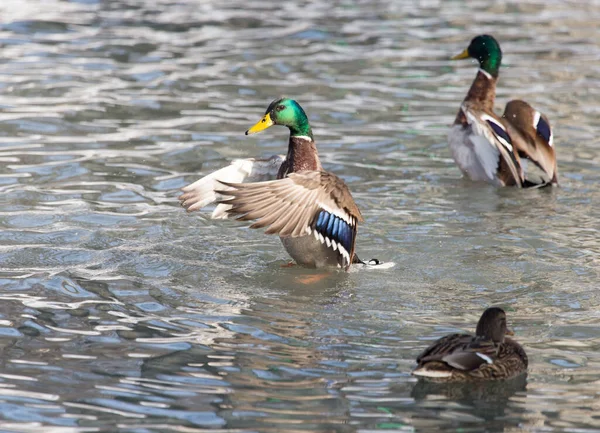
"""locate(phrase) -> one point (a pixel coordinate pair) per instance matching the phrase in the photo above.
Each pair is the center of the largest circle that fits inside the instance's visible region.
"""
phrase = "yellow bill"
(463, 55)
(261, 125)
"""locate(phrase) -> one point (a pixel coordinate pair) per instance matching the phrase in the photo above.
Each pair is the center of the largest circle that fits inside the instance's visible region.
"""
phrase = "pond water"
(121, 312)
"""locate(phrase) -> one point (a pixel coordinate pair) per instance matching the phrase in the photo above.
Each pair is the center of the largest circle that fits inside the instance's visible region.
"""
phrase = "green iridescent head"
(285, 112)
(486, 50)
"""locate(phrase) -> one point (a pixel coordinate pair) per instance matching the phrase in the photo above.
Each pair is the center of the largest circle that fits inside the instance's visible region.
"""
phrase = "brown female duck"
(489, 355)
(497, 149)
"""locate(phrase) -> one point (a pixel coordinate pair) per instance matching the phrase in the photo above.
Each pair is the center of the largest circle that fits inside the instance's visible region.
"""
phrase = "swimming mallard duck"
(311, 210)
(489, 355)
(496, 149)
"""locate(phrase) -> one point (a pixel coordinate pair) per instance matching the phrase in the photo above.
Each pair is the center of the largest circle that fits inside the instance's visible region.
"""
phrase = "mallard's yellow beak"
(261, 125)
(510, 332)
(463, 55)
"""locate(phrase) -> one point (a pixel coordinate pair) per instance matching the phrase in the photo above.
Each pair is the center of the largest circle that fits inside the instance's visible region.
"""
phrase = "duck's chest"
(302, 156)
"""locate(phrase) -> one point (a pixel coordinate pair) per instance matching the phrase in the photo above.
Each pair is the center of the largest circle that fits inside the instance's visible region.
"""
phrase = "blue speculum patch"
(499, 131)
(543, 130)
(335, 229)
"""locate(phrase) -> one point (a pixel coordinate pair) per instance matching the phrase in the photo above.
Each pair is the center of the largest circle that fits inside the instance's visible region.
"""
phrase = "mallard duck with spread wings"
(516, 149)
(311, 210)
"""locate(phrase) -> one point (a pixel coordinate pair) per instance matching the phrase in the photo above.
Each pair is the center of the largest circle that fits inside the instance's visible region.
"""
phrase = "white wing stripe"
(536, 119)
(484, 357)
(502, 141)
(343, 215)
(344, 254)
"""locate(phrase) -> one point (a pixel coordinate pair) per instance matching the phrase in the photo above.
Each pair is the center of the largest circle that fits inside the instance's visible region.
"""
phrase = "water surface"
(120, 312)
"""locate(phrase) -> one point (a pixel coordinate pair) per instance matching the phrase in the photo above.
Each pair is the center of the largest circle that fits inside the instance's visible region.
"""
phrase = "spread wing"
(534, 140)
(493, 146)
(304, 203)
(203, 192)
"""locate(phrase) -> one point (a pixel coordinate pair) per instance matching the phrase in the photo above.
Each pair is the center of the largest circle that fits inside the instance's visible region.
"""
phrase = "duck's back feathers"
(462, 357)
(203, 192)
(307, 203)
(441, 346)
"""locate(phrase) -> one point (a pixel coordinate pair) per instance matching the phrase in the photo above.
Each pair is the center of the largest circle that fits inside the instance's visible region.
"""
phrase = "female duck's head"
(285, 112)
(492, 325)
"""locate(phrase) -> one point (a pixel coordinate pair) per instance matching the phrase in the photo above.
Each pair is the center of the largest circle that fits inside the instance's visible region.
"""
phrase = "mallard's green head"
(492, 325)
(286, 112)
(486, 50)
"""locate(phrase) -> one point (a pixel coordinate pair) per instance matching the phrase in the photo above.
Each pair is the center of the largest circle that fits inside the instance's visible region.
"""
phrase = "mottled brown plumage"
(489, 355)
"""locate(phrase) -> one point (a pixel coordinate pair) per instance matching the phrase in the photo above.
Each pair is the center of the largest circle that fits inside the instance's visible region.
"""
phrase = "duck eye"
(280, 107)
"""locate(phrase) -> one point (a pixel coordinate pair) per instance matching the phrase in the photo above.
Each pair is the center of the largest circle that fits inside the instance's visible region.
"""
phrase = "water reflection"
(475, 403)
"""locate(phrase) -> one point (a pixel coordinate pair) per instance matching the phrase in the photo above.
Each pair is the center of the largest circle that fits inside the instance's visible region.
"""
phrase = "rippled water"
(120, 312)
